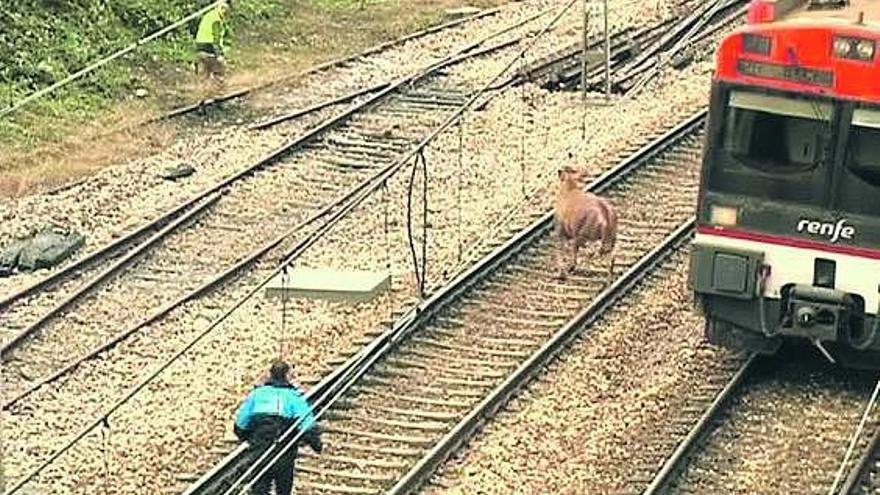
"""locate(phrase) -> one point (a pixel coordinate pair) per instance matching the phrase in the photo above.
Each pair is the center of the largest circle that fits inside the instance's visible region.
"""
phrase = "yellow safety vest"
(212, 29)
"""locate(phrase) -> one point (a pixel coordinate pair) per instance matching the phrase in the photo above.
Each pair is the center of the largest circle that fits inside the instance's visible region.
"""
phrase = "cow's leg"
(574, 257)
(560, 257)
(611, 269)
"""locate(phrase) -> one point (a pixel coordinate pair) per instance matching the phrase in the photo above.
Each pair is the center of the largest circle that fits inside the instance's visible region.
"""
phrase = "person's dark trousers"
(282, 475)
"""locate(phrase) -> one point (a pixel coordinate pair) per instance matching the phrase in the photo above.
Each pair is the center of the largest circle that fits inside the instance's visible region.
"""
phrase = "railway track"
(19, 409)
(424, 386)
(563, 68)
(633, 52)
(864, 478)
(49, 297)
(86, 305)
(73, 299)
(603, 408)
(788, 419)
(207, 103)
(202, 106)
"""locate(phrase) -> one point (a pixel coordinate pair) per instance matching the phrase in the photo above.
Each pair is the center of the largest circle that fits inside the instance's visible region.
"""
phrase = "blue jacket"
(276, 400)
(270, 409)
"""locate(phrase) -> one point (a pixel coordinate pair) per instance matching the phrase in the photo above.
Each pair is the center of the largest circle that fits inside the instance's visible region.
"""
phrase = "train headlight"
(841, 47)
(865, 49)
(723, 215)
(854, 48)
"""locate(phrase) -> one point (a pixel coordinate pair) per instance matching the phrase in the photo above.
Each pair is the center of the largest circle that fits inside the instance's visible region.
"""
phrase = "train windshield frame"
(773, 146)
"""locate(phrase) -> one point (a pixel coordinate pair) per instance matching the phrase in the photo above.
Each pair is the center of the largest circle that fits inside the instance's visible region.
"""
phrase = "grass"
(90, 124)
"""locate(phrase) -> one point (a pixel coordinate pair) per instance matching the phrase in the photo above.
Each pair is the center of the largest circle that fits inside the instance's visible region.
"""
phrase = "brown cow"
(582, 217)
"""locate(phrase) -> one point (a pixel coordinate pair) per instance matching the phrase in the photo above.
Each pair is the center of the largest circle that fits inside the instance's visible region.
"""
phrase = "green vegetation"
(44, 41)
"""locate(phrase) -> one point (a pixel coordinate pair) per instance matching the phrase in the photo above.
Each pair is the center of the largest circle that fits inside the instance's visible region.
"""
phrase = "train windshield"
(860, 182)
(773, 147)
(775, 134)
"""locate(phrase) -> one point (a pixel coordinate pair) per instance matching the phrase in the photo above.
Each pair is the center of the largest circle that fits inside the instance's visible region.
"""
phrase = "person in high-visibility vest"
(211, 40)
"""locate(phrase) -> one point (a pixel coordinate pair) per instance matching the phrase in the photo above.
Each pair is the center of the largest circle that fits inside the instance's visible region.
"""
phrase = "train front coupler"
(819, 314)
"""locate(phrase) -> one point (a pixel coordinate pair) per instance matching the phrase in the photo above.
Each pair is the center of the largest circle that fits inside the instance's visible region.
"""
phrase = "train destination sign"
(787, 72)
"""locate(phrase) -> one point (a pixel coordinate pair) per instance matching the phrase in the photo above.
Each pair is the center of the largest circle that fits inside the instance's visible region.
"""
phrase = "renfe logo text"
(833, 230)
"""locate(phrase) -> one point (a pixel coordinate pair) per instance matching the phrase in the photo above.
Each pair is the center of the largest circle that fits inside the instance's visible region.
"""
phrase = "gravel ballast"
(583, 426)
(171, 426)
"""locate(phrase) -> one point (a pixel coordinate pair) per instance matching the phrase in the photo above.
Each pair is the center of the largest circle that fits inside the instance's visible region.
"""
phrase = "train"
(787, 241)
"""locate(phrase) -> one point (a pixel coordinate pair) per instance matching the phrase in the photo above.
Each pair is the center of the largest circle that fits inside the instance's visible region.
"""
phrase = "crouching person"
(267, 412)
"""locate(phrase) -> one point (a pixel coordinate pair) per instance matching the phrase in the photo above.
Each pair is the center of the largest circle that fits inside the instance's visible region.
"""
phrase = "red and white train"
(788, 222)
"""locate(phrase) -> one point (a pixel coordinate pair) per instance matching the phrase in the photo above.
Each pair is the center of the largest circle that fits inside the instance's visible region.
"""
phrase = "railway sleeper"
(444, 359)
(378, 381)
(509, 342)
(440, 416)
(390, 145)
(426, 341)
(371, 155)
(355, 142)
(466, 330)
(567, 302)
(584, 276)
(529, 308)
(423, 442)
(369, 449)
(345, 164)
(312, 486)
(352, 474)
(523, 322)
(442, 403)
(357, 461)
(429, 426)
(402, 366)
(522, 307)
(403, 369)
(546, 290)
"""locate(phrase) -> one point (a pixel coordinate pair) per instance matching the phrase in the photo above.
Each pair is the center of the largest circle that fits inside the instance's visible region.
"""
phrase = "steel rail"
(675, 461)
(346, 375)
(545, 71)
(265, 124)
(380, 86)
(596, 70)
(861, 470)
(160, 313)
(102, 252)
(604, 300)
(670, 37)
(693, 33)
(330, 64)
